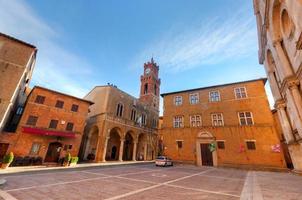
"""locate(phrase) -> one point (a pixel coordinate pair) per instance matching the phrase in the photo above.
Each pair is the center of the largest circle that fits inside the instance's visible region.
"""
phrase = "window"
(240, 93)
(195, 120)
(214, 96)
(40, 99)
(53, 124)
(245, 118)
(59, 104)
(144, 121)
(19, 110)
(194, 98)
(146, 88)
(155, 89)
(69, 126)
(35, 149)
(133, 115)
(251, 145)
(74, 108)
(119, 110)
(178, 121)
(217, 119)
(154, 123)
(32, 120)
(178, 100)
(179, 144)
(220, 145)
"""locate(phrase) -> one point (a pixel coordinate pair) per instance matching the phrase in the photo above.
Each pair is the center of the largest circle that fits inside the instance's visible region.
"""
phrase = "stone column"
(285, 124)
(285, 69)
(105, 149)
(134, 150)
(120, 155)
(294, 111)
(145, 151)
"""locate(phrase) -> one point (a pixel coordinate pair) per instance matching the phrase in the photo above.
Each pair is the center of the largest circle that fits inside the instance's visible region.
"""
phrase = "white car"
(163, 161)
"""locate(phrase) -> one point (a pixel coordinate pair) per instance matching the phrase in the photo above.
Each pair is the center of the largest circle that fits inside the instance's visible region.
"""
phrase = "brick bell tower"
(150, 84)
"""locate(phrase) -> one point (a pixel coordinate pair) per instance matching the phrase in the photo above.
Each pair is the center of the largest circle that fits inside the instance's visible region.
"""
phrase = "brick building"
(223, 125)
(17, 60)
(280, 51)
(51, 124)
(120, 126)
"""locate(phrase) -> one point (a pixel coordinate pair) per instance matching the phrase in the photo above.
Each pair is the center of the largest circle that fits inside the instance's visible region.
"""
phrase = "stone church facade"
(121, 127)
(280, 51)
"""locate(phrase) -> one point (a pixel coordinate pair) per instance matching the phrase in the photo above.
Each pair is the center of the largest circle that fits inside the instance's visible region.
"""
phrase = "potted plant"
(7, 160)
(67, 160)
(74, 161)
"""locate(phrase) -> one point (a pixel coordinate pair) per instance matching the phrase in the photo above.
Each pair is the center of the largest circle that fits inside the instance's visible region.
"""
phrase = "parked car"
(163, 161)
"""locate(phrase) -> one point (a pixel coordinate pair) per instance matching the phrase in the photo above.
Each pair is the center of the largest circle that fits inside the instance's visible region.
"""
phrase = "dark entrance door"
(113, 153)
(3, 149)
(53, 152)
(206, 155)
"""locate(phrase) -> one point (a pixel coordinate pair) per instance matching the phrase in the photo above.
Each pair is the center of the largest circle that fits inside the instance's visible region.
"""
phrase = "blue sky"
(86, 43)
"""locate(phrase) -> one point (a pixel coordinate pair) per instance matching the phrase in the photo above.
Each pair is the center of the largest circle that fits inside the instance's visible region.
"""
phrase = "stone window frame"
(179, 144)
(251, 148)
(217, 119)
(194, 120)
(178, 100)
(59, 104)
(32, 120)
(119, 110)
(69, 126)
(240, 92)
(178, 121)
(53, 124)
(220, 142)
(214, 96)
(245, 118)
(31, 152)
(195, 100)
(40, 99)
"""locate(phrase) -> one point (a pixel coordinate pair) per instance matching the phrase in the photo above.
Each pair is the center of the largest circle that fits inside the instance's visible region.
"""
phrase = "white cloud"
(56, 67)
(211, 41)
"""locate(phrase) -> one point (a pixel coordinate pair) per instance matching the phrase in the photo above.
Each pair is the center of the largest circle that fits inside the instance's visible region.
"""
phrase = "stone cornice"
(280, 104)
(289, 82)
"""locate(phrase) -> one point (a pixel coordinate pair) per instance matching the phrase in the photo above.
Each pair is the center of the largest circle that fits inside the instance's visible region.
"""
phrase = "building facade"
(280, 51)
(120, 126)
(17, 60)
(51, 125)
(223, 125)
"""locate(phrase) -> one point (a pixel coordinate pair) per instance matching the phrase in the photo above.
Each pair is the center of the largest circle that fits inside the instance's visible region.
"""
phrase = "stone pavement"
(146, 181)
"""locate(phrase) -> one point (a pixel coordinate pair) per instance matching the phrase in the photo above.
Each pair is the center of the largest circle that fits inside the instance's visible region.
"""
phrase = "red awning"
(39, 131)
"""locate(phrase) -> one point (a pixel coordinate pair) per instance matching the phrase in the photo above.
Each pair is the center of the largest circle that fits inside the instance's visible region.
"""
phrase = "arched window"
(119, 110)
(133, 115)
(155, 89)
(287, 24)
(146, 88)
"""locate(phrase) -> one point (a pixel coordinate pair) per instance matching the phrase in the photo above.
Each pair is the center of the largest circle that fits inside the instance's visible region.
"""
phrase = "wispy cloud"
(56, 67)
(207, 42)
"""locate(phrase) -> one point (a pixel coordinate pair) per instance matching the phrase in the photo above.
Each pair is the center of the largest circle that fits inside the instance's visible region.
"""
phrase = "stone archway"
(91, 144)
(113, 145)
(141, 147)
(203, 139)
(128, 146)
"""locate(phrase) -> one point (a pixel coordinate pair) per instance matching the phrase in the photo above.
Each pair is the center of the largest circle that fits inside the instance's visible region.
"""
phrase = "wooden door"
(53, 152)
(3, 149)
(206, 155)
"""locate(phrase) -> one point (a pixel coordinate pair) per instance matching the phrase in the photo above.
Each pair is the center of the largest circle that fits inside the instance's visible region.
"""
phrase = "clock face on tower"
(147, 71)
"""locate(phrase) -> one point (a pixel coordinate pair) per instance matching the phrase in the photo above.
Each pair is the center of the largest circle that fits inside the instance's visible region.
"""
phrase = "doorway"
(206, 155)
(113, 153)
(53, 152)
(3, 149)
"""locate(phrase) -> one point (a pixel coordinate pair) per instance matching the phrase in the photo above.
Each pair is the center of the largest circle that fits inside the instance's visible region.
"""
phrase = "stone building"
(17, 60)
(51, 124)
(280, 51)
(222, 125)
(120, 126)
